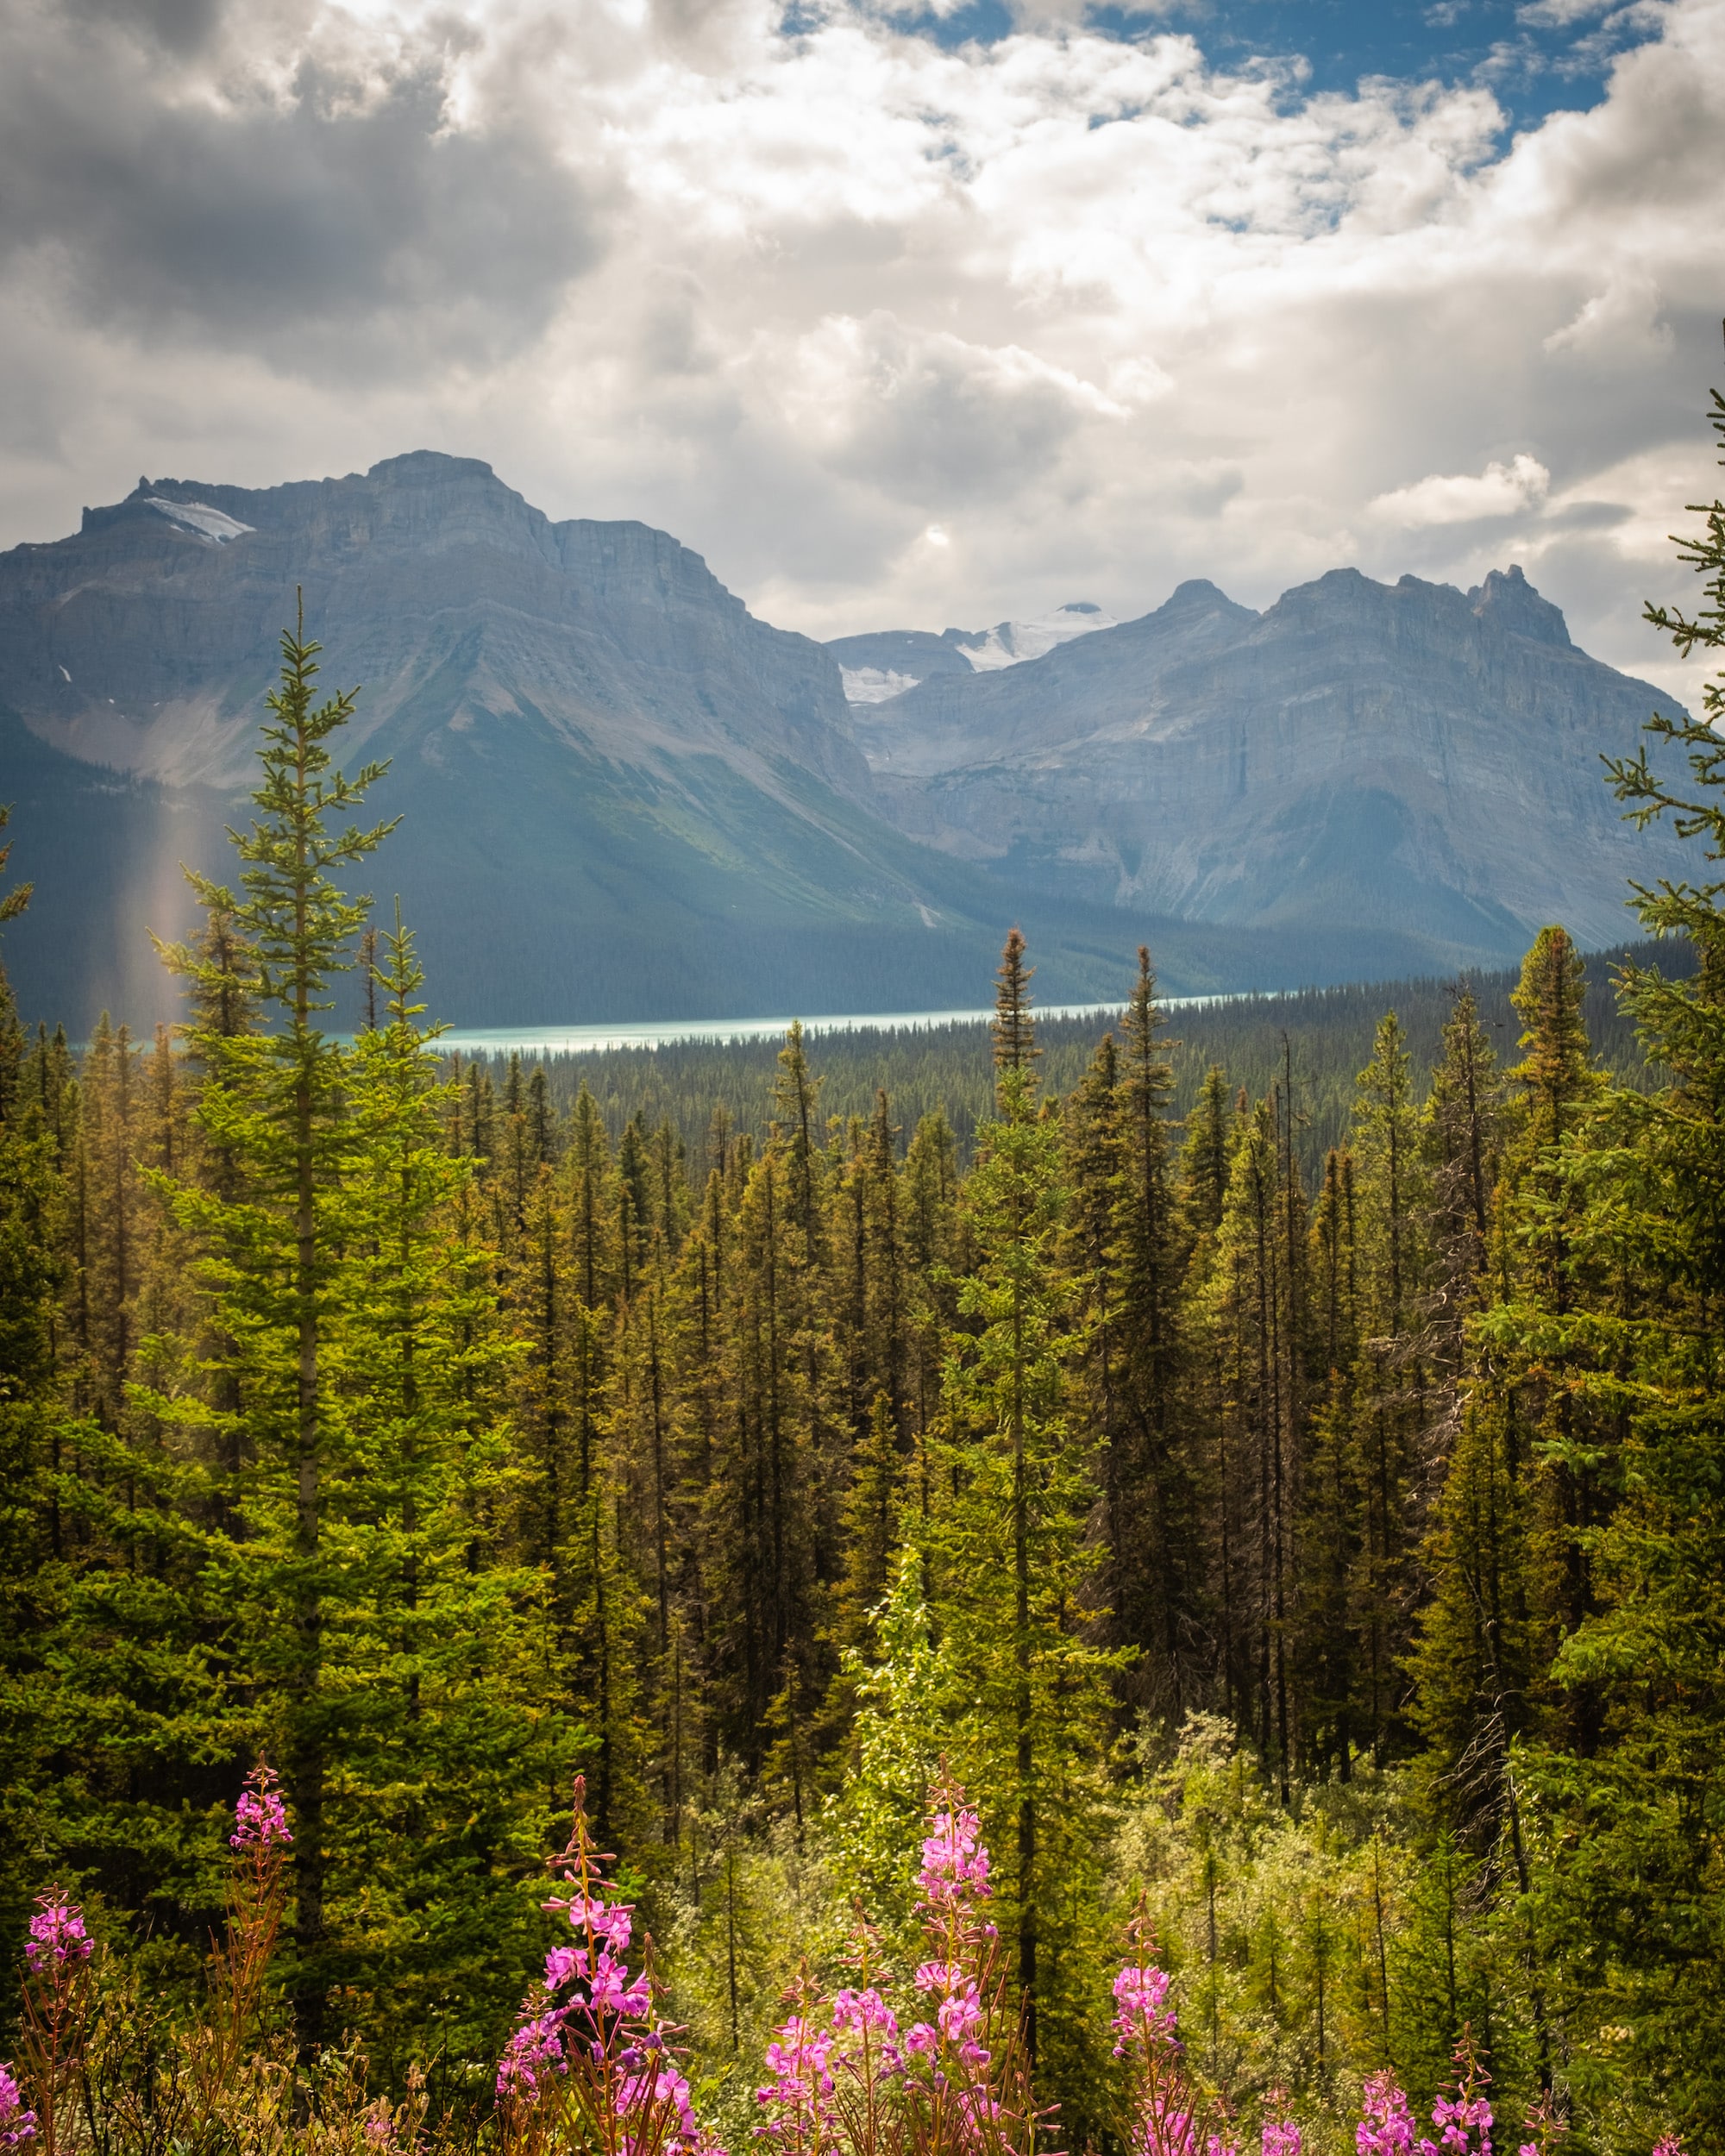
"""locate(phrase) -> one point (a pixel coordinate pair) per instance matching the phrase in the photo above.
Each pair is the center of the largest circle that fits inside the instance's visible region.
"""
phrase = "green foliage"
(946, 1069)
(1276, 1471)
(1628, 1237)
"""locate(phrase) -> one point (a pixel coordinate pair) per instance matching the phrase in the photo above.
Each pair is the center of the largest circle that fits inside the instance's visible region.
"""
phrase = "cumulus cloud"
(167, 176)
(1501, 490)
(1560, 14)
(1623, 322)
(911, 411)
(808, 288)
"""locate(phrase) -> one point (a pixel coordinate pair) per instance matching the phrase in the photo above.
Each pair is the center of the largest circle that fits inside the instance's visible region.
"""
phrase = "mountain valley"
(624, 796)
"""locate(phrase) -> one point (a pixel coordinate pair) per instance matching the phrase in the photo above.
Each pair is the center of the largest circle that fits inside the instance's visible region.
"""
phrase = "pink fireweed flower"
(1669, 2144)
(1281, 2138)
(920, 2037)
(562, 1964)
(1460, 2118)
(260, 1817)
(960, 2012)
(799, 2055)
(594, 2021)
(1163, 2129)
(532, 2054)
(1458, 2121)
(940, 1975)
(1387, 2129)
(1141, 2016)
(17, 2124)
(1548, 2127)
(864, 2009)
(611, 1921)
(664, 2086)
(801, 2091)
(954, 1867)
(610, 1990)
(58, 1939)
(980, 2114)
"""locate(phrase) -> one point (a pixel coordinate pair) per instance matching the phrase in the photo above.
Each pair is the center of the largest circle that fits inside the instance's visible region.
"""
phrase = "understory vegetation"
(1144, 1629)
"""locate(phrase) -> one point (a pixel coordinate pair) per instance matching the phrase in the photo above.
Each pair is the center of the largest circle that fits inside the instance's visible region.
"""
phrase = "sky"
(904, 315)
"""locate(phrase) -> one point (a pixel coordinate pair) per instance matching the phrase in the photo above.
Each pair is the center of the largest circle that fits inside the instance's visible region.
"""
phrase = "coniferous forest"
(1154, 1628)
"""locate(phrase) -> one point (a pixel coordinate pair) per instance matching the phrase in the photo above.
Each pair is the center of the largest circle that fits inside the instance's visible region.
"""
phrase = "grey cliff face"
(622, 795)
(145, 641)
(620, 791)
(1409, 755)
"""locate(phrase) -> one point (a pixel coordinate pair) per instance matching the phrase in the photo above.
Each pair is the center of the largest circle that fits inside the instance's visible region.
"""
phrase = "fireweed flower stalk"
(257, 1890)
(1545, 2127)
(17, 2125)
(1387, 2129)
(589, 2065)
(1166, 2116)
(966, 2075)
(801, 2114)
(56, 2006)
(837, 2070)
(1280, 2137)
(1463, 2120)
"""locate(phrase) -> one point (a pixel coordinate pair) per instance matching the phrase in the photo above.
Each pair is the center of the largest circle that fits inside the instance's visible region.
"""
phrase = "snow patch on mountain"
(1009, 643)
(875, 685)
(214, 524)
(882, 666)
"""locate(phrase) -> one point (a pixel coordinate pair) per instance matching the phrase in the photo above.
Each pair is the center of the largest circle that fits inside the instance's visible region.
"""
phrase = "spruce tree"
(1462, 1143)
(32, 1548)
(441, 1753)
(934, 1257)
(1389, 1395)
(1550, 1275)
(1475, 1655)
(1332, 1535)
(1246, 1320)
(1204, 1159)
(884, 1270)
(1092, 1132)
(1157, 1604)
(796, 1097)
(1635, 1191)
(277, 1102)
(1005, 1550)
(588, 1166)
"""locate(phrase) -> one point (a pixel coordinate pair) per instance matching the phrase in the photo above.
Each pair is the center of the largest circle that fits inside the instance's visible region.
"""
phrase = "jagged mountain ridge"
(879, 665)
(144, 642)
(623, 796)
(589, 737)
(1410, 755)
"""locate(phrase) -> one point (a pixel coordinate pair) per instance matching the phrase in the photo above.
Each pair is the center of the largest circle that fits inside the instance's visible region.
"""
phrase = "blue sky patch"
(1537, 56)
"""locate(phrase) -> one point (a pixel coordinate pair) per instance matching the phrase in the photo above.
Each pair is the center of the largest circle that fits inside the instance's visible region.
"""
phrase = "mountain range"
(884, 663)
(623, 796)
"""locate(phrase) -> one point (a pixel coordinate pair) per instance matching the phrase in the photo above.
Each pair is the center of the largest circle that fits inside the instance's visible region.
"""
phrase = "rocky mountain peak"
(1508, 601)
(1196, 590)
(1196, 600)
(458, 604)
(433, 467)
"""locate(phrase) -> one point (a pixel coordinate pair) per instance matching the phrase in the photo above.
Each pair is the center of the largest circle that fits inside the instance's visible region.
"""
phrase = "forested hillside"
(1328, 1033)
(1309, 1566)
